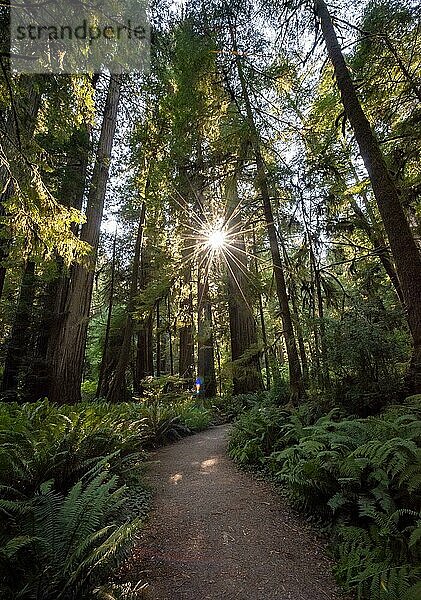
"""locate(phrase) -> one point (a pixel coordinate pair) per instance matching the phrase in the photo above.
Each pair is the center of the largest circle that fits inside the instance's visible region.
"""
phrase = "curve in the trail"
(217, 533)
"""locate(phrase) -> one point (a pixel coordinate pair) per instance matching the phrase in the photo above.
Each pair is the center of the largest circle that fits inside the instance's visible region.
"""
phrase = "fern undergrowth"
(361, 478)
(71, 492)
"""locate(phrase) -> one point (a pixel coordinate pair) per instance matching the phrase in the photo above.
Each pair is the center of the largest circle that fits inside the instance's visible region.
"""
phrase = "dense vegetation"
(358, 477)
(246, 216)
(72, 495)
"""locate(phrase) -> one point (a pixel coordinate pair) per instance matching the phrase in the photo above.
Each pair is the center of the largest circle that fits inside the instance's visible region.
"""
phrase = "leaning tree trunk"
(247, 376)
(18, 343)
(69, 348)
(295, 373)
(404, 249)
(117, 391)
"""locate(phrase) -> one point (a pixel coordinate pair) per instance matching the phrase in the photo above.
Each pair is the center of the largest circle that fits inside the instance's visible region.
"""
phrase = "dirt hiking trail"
(217, 533)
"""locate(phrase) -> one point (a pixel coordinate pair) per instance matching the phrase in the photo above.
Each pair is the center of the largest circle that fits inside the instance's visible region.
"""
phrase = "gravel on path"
(217, 533)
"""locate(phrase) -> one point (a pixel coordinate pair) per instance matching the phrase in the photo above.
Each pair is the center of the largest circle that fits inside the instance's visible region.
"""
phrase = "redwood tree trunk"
(51, 312)
(247, 376)
(67, 354)
(205, 353)
(104, 359)
(18, 343)
(117, 391)
(295, 373)
(144, 343)
(186, 364)
(262, 317)
(404, 249)
(144, 354)
(205, 349)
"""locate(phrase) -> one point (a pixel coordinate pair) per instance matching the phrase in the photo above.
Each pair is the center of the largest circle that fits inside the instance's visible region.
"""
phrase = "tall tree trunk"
(404, 249)
(144, 341)
(144, 354)
(205, 353)
(186, 342)
(68, 352)
(19, 338)
(262, 317)
(104, 359)
(158, 338)
(379, 247)
(117, 391)
(295, 374)
(299, 331)
(186, 365)
(170, 344)
(322, 327)
(205, 350)
(247, 375)
(51, 311)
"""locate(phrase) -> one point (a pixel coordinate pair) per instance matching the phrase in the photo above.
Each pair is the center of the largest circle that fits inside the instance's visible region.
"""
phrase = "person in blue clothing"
(198, 385)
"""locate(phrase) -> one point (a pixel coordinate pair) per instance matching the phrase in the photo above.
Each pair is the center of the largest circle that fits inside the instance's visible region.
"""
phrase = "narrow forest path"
(217, 533)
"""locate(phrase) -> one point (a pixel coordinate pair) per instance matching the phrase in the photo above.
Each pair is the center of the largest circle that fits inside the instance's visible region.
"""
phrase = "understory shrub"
(71, 492)
(230, 407)
(360, 477)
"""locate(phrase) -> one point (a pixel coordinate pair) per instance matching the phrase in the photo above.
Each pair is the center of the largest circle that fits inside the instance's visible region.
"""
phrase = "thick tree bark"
(205, 353)
(170, 341)
(144, 342)
(158, 338)
(100, 391)
(186, 364)
(262, 317)
(404, 249)
(144, 354)
(68, 352)
(246, 376)
(19, 338)
(295, 374)
(186, 342)
(299, 332)
(117, 391)
(205, 349)
(55, 292)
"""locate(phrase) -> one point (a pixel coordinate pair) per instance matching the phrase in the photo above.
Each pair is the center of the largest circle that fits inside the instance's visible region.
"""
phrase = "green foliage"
(231, 407)
(71, 493)
(195, 418)
(255, 434)
(88, 390)
(367, 350)
(360, 477)
(165, 389)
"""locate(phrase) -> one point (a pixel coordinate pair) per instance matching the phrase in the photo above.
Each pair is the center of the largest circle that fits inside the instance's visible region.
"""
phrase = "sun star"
(216, 239)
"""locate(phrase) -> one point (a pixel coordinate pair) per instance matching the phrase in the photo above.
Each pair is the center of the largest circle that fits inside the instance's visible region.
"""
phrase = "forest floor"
(218, 533)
